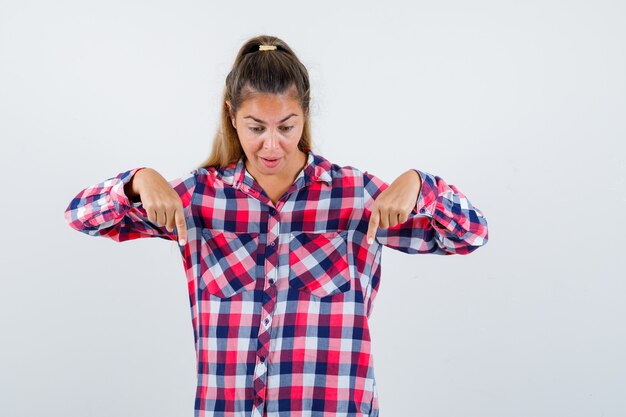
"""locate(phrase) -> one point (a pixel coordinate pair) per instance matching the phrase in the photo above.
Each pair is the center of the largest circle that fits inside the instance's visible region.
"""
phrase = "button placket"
(261, 369)
(271, 273)
(272, 276)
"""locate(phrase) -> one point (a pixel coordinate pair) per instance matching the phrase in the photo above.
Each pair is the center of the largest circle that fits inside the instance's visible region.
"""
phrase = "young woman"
(281, 248)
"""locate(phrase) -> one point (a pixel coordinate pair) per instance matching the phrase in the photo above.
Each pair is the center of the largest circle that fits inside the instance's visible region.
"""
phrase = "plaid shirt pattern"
(280, 295)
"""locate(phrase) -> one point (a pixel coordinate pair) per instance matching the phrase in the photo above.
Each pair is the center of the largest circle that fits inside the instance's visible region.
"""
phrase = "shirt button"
(422, 210)
(262, 358)
(272, 243)
(271, 280)
(267, 321)
(272, 211)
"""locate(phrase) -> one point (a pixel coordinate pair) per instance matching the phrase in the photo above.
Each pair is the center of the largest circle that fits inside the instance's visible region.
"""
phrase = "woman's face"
(269, 127)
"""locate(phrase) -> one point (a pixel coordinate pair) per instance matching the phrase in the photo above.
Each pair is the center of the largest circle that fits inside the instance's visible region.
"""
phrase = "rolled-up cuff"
(427, 197)
(119, 197)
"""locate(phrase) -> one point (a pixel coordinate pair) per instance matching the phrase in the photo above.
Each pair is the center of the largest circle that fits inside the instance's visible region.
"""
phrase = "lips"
(270, 163)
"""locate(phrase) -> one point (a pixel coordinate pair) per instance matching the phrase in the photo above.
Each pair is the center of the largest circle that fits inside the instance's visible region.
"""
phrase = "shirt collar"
(317, 168)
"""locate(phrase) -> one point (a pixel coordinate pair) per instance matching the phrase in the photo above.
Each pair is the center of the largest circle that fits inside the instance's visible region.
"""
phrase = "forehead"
(270, 107)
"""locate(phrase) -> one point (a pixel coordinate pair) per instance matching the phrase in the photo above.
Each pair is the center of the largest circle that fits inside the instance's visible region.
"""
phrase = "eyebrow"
(261, 121)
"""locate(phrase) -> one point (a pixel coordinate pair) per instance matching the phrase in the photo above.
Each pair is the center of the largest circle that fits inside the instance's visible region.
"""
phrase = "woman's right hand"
(162, 204)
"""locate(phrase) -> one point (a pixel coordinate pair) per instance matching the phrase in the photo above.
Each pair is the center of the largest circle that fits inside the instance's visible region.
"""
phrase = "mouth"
(270, 162)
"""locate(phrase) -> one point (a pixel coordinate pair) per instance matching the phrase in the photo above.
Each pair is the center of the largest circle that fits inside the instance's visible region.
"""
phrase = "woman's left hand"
(394, 204)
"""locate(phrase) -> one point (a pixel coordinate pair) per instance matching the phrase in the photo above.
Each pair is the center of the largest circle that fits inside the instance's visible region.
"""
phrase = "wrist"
(419, 180)
(415, 174)
(133, 187)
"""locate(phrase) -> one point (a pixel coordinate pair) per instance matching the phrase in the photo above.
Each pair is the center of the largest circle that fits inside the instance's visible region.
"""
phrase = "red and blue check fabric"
(281, 295)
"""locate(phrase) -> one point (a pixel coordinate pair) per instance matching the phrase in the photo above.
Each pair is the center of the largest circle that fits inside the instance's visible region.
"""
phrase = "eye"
(257, 129)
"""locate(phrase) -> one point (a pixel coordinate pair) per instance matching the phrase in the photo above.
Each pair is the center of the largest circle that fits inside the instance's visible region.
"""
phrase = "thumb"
(373, 225)
(181, 226)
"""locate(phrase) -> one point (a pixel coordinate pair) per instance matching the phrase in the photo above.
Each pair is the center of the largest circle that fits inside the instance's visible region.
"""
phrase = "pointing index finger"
(181, 226)
(373, 225)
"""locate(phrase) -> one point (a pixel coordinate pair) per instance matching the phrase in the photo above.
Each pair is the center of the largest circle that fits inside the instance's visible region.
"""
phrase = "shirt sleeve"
(104, 209)
(442, 222)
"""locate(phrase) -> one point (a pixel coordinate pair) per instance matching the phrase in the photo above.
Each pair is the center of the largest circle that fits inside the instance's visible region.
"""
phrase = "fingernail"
(181, 241)
(370, 240)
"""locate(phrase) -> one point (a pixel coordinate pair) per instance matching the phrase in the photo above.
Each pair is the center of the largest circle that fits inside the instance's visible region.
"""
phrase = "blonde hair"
(277, 71)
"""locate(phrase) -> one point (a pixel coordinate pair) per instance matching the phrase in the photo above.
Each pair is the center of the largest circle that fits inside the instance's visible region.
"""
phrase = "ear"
(230, 113)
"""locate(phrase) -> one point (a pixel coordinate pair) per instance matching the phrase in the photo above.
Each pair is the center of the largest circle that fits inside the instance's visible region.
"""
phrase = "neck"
(275, 186)
(284, 179)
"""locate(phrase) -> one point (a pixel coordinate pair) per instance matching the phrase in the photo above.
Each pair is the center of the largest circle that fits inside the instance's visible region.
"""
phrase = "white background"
(521, 105)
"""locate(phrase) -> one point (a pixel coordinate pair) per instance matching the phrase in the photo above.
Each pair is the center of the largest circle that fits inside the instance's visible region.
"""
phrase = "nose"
(271, 141)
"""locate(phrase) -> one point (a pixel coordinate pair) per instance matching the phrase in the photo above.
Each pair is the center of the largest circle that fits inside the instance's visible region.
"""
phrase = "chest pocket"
(228, 263)
(318, 262)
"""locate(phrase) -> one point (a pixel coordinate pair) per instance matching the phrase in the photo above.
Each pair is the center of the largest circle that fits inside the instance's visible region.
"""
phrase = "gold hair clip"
(267, 47)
